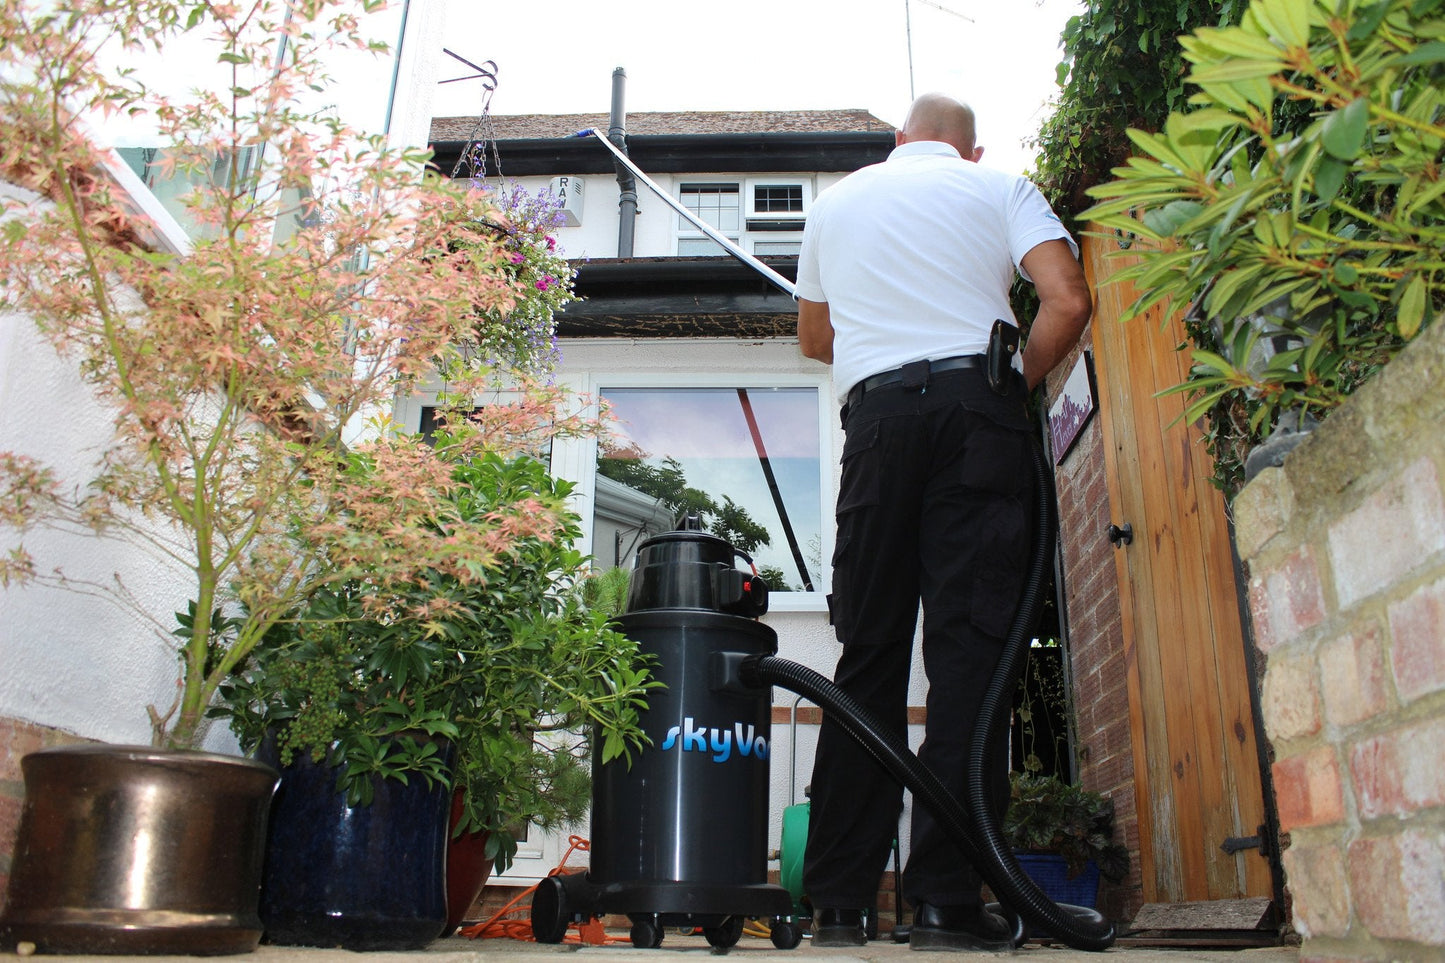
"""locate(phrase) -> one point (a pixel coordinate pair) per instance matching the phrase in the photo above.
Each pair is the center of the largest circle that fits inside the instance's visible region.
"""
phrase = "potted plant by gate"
(325, 274)
(1063, 837)
(507, 664)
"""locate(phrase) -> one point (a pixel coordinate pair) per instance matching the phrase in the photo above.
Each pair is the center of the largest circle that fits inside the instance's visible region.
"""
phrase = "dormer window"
(762, 215)
(716, 204)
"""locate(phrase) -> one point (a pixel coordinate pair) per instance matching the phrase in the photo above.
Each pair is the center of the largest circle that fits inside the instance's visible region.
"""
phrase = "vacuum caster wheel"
(786, 934)
(646, 934)
(550, 913)
(725, 934)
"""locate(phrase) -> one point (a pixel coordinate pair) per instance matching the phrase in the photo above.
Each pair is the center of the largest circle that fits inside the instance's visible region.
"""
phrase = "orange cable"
(590, 932)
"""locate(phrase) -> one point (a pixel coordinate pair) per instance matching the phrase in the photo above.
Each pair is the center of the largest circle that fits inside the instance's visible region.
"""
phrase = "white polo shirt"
(915, 257)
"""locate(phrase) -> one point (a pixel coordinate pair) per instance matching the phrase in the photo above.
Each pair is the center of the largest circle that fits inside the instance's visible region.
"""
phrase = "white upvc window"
(750, 454)
(715, 203)
(762, 215)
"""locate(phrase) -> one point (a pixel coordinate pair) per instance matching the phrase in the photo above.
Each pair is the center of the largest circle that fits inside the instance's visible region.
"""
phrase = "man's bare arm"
(1065, 305)
(815, 330)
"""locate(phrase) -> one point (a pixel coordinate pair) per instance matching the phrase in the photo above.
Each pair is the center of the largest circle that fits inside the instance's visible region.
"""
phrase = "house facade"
(694, 353)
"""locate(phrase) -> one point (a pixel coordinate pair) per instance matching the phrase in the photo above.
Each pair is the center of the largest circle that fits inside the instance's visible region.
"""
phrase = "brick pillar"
(1345, 546)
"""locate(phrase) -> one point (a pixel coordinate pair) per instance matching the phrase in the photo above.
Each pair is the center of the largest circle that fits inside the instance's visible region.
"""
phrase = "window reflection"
(746, 460)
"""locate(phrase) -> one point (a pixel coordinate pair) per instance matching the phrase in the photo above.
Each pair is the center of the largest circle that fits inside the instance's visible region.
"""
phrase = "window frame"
(687, 231)
(747, 200)
(575, 459)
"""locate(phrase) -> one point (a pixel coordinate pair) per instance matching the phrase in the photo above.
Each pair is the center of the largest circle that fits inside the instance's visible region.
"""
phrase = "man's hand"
(815, 330)
(1065, 305)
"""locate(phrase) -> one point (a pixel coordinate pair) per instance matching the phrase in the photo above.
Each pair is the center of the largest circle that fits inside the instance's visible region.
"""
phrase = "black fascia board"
(803, 152)
(623, 295)
(598, 274)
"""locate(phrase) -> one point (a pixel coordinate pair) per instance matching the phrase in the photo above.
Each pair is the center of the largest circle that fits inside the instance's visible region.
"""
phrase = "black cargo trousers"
(936, 503)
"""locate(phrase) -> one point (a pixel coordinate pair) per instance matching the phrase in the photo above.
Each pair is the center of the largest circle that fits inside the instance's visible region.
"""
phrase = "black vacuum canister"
(684, 829)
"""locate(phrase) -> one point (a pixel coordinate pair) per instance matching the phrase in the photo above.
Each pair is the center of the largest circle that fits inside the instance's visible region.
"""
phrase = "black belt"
(914, 375)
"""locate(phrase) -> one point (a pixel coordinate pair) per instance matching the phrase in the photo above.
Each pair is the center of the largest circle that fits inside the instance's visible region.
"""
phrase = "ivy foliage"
(1297, 207)
(1123, 68)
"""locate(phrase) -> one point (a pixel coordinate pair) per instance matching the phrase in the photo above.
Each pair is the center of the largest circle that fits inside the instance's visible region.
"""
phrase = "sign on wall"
(568, 191)
(1073, 408)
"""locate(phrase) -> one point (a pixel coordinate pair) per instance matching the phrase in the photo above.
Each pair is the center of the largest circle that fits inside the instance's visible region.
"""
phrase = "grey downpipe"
(626, 182)
(974, 828)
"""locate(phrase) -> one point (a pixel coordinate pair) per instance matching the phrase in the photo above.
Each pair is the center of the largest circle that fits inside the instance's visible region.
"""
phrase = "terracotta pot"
(134, 850)
(468, 868)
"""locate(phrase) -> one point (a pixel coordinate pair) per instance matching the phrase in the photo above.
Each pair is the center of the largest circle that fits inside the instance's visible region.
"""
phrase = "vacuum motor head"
(691, 569)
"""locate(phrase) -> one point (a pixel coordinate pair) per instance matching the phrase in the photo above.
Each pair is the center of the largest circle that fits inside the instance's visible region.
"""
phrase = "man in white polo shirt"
(905, 268)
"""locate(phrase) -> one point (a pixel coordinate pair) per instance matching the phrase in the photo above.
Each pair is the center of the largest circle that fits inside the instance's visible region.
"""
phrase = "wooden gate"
(1197, 769)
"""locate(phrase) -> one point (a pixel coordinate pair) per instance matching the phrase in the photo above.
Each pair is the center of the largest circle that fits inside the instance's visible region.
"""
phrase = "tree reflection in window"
(746, 461)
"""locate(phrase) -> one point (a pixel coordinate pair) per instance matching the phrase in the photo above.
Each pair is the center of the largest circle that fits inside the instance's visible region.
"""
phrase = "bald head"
(940, 117)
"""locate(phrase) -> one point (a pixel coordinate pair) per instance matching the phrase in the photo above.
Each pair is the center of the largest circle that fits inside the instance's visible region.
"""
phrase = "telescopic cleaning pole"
(777, 279)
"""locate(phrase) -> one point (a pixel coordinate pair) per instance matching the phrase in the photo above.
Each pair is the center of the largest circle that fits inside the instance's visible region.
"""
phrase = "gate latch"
(1238, 844)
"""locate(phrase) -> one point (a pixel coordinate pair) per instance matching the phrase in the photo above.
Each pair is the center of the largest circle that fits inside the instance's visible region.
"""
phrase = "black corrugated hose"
(973, 825)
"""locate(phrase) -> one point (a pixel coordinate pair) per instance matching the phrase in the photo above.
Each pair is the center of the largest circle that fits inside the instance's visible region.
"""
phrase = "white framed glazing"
(576, 459)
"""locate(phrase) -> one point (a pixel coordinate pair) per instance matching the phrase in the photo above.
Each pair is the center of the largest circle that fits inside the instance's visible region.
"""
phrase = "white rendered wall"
(81, 664)
(73, 662)
(655, 230)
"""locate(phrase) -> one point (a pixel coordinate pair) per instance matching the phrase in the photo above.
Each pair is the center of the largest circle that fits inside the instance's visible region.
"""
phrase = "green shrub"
(1308, 257)
(1048, 815)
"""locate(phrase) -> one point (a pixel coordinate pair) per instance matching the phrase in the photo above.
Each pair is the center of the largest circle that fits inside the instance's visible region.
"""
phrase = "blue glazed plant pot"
(360, 877)
(1051, 873)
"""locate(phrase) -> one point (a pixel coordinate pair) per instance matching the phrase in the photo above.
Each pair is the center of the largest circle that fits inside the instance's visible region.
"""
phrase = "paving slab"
(677, 947)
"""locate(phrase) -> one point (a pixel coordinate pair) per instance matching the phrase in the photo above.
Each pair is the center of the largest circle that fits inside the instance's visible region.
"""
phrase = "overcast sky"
(557, 56)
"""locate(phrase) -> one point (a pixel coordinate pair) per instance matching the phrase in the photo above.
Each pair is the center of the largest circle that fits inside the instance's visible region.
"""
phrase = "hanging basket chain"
(473, 157)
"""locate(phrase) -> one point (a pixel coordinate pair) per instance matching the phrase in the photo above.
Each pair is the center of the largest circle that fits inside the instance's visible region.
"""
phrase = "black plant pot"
(134, 850)
(369, 877)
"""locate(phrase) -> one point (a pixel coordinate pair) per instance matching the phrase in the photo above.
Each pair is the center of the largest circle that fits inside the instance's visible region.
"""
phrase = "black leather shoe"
(959, 928)
(838, 927)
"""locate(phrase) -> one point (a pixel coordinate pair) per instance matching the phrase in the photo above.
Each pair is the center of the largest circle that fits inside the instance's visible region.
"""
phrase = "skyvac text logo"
(720, 742)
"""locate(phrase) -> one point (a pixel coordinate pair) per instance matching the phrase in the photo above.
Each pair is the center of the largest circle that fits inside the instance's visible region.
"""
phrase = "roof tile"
(527, 126)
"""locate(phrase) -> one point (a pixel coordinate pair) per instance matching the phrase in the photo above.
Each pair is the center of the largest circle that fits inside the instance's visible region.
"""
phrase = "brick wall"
(1346, 551)
(1096, 649)
(16, 739)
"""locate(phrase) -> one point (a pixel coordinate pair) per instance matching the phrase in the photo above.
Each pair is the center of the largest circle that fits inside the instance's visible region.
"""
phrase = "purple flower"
(545, 282)
(518, 257)
(551, 243)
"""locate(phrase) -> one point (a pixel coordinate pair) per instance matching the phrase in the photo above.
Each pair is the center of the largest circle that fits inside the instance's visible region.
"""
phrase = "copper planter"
(133, 850)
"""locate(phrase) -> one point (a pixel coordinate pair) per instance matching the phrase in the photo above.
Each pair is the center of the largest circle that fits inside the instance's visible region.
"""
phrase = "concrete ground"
(750, 949)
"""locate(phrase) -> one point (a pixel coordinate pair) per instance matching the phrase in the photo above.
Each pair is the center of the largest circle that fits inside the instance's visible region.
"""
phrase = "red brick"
(1352, 677)
(1286, 600)
(16, 740)
(1316, 879)
(1398, 773)
(1308, 790)
(1399, 888)
(1417, 650)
